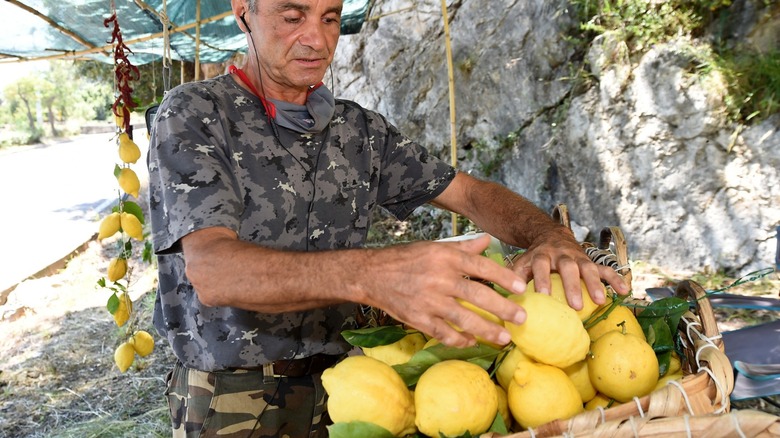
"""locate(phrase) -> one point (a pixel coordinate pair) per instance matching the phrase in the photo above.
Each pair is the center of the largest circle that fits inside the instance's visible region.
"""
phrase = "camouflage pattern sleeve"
(192, 184)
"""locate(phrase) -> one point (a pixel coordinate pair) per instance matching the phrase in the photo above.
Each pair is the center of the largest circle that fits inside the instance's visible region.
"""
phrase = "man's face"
(295, 41)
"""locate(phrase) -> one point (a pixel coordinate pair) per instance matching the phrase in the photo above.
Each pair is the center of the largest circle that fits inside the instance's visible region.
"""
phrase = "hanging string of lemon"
(124, 224)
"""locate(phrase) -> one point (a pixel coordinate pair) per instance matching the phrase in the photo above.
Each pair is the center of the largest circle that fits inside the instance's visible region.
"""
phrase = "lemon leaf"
(374, 336)
(499, 425)
(357, 429)
(480, 354)
(112, 304)
(134, 209)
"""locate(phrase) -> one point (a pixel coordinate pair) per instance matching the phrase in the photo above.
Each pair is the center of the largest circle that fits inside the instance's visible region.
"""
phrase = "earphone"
(243, 20)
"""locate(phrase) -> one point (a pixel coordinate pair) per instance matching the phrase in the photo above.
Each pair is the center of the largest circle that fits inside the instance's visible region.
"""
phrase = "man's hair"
(252, 5)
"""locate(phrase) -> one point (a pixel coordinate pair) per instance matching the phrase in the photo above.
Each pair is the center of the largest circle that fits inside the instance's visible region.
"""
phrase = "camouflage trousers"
(233, 404)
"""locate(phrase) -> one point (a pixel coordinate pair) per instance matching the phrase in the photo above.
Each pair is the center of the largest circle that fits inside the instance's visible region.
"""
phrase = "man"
(261, 185)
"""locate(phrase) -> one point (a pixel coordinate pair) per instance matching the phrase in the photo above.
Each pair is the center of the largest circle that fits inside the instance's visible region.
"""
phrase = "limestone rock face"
(635, 142)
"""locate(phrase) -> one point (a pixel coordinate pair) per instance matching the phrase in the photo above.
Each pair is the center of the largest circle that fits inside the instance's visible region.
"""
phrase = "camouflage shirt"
(214, 161)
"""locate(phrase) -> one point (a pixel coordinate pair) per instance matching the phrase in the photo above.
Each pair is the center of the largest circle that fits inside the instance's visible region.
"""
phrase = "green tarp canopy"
(74, 29)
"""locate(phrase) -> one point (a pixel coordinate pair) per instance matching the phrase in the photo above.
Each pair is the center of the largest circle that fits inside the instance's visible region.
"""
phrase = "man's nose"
(313, 34)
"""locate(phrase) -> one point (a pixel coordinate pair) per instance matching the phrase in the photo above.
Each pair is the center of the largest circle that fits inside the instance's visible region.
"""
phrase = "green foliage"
(753, 79)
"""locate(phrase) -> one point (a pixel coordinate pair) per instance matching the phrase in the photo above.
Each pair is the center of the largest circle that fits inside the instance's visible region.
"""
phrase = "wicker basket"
(698, 405)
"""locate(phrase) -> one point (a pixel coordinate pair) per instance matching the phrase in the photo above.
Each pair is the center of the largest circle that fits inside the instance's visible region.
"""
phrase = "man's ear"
(243, 20)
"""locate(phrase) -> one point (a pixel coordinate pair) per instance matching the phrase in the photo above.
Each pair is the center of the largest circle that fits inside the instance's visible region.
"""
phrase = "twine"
(633, 426)
(687, 426)
(603, 414)
(736, 425)
(684, 394)
(639, 407)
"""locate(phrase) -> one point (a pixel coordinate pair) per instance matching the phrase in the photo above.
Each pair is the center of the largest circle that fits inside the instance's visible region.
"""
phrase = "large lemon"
(578, 373)
(454, 397)
(541, 393)
(506, 368)
(552, 332)
(361, 388)
(622, 366)
(398, 352)
(484, 314)
(619, 317)
(557, 292)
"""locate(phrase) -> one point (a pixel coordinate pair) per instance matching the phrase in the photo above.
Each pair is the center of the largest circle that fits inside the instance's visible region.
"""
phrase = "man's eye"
(292, 20)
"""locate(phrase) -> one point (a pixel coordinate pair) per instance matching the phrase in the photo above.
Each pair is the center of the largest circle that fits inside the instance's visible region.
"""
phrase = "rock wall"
(637, 143)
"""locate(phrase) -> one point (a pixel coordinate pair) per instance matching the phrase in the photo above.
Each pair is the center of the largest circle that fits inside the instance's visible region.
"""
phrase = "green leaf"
(499, 425)
(134, 209)
(112, 304)
(374, 336)
(357, 429)
(663, 362)
(410, 372)
(117, 170)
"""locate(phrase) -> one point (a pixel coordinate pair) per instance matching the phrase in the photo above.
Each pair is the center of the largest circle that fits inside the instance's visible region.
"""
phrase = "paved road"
(51, 199)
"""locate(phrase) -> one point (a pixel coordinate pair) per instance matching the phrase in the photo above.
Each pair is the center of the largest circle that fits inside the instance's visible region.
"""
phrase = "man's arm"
(516, 221)
(415, 283)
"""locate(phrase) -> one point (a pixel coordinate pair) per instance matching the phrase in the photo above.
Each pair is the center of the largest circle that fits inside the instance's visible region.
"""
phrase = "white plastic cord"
(639, 407)
(684, 394)
(633, 426)
(687, 426)
(531, 431)
(720, 389)
(736, 425)
(603, 414)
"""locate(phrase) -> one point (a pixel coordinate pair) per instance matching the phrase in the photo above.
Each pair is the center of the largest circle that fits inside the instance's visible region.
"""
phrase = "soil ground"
(57, 374)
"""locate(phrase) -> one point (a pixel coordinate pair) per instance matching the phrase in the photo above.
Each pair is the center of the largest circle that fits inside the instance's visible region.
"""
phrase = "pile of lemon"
(554, 369)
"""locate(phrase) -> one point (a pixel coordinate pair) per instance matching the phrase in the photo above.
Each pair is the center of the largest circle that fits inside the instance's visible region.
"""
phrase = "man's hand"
(559, 252)
(419, 284)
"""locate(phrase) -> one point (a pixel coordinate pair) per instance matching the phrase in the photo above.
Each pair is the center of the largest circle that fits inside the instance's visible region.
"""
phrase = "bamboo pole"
(197, 40)
(109, 47)
(451, 82)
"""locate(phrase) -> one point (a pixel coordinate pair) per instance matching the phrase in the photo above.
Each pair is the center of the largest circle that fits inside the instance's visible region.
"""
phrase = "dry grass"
(58, 379)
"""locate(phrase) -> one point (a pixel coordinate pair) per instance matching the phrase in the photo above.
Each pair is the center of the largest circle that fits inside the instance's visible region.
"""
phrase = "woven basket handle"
(691, 291)
(560, 214)
(612, 238)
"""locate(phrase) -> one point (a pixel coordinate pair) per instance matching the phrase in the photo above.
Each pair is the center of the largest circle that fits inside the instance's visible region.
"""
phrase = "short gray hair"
(252, 4)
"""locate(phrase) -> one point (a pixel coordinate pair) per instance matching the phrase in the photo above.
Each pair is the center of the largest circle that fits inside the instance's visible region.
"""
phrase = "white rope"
(603, 414)
(639, 406)
(687, 426)
(720, 389)
(736, 425)
(684, 394)
(531, 431)
(633, 426)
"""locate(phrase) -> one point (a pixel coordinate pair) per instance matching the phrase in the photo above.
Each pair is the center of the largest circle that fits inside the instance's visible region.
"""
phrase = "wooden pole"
(451, 82)
(109, 47)
(197, 41)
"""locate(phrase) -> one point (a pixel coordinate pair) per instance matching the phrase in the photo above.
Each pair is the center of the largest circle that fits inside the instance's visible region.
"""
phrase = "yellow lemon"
(622, 366)
(674, 363)
(109, 225)
(484, 314)
(600, 400)
(663, 381)
(557, 292)
(142, 342)
(119, 119)
(541, 393)
(129, 152)
(122, 312)
(123, 356)
(619, 317)
(454, 397)
(552, 332)
(117, 269)
(128, 181)
(131, 225)
(506, 369)
(578, 373)
(503, 406)
(398, 352)
(361, 388)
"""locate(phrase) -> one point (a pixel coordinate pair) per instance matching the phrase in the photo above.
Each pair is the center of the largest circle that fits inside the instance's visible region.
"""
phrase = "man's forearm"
(229, 272)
